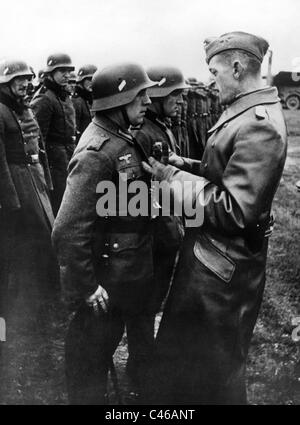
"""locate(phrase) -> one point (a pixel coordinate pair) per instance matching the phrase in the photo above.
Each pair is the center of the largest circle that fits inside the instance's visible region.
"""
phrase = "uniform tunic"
(115, 252)
(26, 213)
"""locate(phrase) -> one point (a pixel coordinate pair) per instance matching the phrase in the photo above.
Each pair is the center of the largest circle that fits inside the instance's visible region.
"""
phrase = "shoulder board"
(260, 112)
(96, 143)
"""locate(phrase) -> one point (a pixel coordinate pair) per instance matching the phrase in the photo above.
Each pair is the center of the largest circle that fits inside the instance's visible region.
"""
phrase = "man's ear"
(238, 69)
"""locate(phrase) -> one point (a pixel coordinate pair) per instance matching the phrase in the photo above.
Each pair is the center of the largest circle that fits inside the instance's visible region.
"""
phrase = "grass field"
(34, 360)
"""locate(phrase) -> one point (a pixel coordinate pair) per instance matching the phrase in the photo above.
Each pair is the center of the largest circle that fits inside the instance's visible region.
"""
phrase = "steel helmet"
(10, 69)
(118, 85)
(86, 71)
(58, 60)
(168, 79)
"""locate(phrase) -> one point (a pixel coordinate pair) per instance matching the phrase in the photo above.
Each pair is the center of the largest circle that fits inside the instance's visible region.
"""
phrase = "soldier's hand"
(158, 170)
(99, 297)
(175, 160)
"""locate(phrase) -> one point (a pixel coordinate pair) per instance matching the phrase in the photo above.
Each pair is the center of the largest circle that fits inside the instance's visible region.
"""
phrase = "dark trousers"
(90, 343)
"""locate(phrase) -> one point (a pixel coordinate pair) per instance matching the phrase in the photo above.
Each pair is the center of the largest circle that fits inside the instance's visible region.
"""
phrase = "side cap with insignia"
(96, 143)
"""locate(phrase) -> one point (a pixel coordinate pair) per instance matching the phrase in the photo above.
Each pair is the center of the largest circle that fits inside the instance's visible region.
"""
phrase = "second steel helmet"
(168, 79)
(59, 60)
(118, 85)
(11, 68)
(86, 71)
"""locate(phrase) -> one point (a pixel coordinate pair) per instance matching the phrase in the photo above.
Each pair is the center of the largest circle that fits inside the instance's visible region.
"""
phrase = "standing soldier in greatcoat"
(56, 117)
(206, 329)
(26, 218)
(106, 262)
(166, 99)
(83, 98)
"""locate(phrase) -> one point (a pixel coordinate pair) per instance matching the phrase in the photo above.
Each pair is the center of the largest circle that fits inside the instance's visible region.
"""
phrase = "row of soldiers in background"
(37, 139)
(198, 113)
(62, 108)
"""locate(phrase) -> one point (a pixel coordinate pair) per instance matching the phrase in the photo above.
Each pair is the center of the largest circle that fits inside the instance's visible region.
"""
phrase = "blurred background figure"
(28, 267)
(70, 87)
(56, 116)
(82, 99)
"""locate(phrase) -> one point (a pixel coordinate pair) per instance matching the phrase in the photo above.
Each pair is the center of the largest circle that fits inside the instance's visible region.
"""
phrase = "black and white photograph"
(150, 205)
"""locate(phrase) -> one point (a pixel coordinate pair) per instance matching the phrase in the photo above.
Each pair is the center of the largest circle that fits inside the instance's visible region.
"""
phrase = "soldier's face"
(61, 76)
(171, 103)
(19, 86)
(70, 87)
(136, 110)
(87, 84)
(223, 75)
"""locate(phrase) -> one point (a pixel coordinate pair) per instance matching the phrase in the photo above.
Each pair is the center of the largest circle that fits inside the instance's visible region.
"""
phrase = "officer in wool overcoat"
(27, 260)
(204, 337)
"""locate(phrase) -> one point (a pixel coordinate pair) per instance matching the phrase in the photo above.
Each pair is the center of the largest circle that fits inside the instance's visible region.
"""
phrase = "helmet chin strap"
(158, 106)
(125, 116)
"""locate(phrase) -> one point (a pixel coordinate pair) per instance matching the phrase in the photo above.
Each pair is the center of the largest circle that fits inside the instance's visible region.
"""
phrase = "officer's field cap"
(236, 40)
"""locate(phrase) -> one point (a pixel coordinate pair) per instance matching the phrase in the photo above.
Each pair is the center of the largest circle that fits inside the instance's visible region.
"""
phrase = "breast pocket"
(131, 172)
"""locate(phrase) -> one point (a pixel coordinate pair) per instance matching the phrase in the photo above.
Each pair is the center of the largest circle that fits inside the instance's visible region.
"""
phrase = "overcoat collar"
(84, 94)
(267, 95)
(112, 127)
(9, 100)
(58, 90)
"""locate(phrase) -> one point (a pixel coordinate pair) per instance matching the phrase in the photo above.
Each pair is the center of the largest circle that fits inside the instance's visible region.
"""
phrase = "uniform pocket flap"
(131, 172)
(214, 259)
(127, 241)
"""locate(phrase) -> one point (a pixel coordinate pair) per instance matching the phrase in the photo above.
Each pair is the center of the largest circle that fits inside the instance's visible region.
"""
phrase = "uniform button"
(115, 245)
(213, 144)
(225, 125)
(205, 165)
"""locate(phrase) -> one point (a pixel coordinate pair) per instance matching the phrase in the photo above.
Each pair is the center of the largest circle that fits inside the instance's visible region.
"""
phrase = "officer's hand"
(175, 160)
(100, 296)
(158, 170)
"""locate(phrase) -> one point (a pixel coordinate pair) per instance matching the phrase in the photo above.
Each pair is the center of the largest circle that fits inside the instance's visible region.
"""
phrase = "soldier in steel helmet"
(56, 117)
(166, 98)
(106, 262)
(26, 216)
(208, 321)
(70, 87)
(82, 99)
